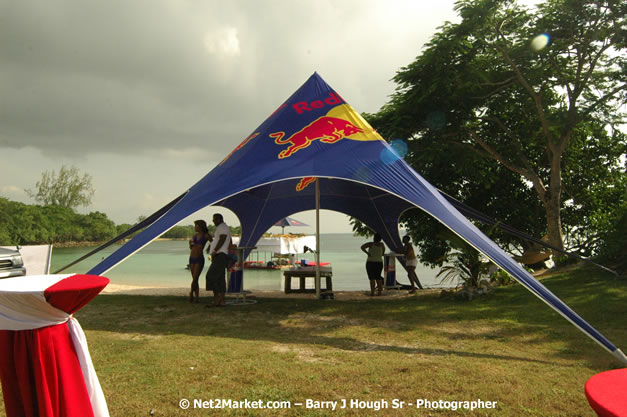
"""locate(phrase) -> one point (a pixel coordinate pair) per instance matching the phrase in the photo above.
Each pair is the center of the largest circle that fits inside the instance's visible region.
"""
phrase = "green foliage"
(5, 238)
(65, 189)
(61, 223)
(465, 263)
(23, 224)
(121, 228)
(97, 227)
(179, 232)
(529, 137)
(360, 229)
(614, 241)
(235, 230)
(595, 190)
(501, 277)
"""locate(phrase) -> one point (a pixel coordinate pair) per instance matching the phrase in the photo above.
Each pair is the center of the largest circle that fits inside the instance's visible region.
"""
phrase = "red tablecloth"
(607, 393)
(43, 372)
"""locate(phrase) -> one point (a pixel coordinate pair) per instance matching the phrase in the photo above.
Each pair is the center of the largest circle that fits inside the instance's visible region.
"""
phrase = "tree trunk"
(554, 224)
(553, 197)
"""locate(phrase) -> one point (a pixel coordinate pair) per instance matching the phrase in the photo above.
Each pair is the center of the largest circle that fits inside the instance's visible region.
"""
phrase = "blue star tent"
(315, 143)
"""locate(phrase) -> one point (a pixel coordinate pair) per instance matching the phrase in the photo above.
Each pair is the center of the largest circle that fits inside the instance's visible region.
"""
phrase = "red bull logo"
(333, 99)
(304, 183)
(325, 129)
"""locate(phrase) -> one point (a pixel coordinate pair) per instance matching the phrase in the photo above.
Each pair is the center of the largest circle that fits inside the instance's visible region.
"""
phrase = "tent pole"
(317, 283)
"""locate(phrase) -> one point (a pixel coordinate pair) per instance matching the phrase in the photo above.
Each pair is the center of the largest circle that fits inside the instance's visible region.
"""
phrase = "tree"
(65, 189)
(97, 227)
(529, 130)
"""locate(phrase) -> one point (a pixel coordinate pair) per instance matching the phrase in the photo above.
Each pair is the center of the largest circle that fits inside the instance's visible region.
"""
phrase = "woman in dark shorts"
(374, 264)
(196, 257)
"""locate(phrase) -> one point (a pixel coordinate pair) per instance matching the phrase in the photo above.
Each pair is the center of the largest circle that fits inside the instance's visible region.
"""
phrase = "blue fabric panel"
(316, 134)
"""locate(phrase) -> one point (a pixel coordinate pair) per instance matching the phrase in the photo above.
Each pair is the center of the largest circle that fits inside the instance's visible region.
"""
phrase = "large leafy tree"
(518, 113)
(67, 188)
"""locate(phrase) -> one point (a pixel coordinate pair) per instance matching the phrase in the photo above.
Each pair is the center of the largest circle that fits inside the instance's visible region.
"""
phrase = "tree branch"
(502, 86)
(507, 81)
(515, 141)
(588, 73)
(536, 97)
(529, 174)
(602, 99)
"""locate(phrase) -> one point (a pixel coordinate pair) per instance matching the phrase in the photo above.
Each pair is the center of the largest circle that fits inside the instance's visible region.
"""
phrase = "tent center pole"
(317, 283)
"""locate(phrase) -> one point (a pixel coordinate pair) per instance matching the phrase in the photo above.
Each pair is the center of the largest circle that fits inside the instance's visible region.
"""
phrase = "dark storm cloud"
(144, 76)
(110, 75)
(148, 95)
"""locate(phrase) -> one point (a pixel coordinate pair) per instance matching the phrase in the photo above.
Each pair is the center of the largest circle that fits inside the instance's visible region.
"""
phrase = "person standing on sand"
(196, 257)
(411, 262)
(374, 263)
(219, 252)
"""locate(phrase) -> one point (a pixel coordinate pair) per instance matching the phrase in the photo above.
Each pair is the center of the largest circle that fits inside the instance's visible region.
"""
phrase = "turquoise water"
(162, 264)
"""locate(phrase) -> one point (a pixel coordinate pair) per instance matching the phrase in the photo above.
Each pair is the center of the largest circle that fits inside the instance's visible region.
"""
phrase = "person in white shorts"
(411, 262)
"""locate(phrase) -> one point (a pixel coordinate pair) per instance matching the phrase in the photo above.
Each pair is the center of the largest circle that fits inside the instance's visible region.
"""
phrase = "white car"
(11, 264)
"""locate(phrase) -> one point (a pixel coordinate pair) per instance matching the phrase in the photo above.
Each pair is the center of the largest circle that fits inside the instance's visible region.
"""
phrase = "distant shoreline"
(87, 243)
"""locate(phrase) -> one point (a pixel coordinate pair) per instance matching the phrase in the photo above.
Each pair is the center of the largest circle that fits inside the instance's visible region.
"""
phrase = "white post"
(317, 283)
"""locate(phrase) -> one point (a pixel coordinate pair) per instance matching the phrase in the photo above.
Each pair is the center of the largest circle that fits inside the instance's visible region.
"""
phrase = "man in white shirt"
(218, 252)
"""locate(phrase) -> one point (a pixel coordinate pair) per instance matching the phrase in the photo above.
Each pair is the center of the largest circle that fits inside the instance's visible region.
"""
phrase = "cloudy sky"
(148, 96)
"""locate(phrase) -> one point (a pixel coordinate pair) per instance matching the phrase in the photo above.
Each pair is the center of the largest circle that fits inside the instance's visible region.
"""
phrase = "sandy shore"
(184, 292)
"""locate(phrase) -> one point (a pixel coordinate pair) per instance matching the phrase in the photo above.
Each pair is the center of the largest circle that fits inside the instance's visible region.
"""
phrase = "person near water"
(374, 263)
(219, 253)
(196, 257)
(411, 262)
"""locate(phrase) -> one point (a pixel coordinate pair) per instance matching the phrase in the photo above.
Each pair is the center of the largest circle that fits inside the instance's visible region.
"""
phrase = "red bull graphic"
(240, 146)
(332, 100)
(304, 183)
(341, 122)
(326, 129)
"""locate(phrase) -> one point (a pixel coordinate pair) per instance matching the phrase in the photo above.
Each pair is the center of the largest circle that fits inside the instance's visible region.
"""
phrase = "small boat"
(308, 263)
(261, 265)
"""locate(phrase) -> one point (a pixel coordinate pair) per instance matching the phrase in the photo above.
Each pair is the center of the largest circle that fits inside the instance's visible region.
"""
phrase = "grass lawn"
(152, 351)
